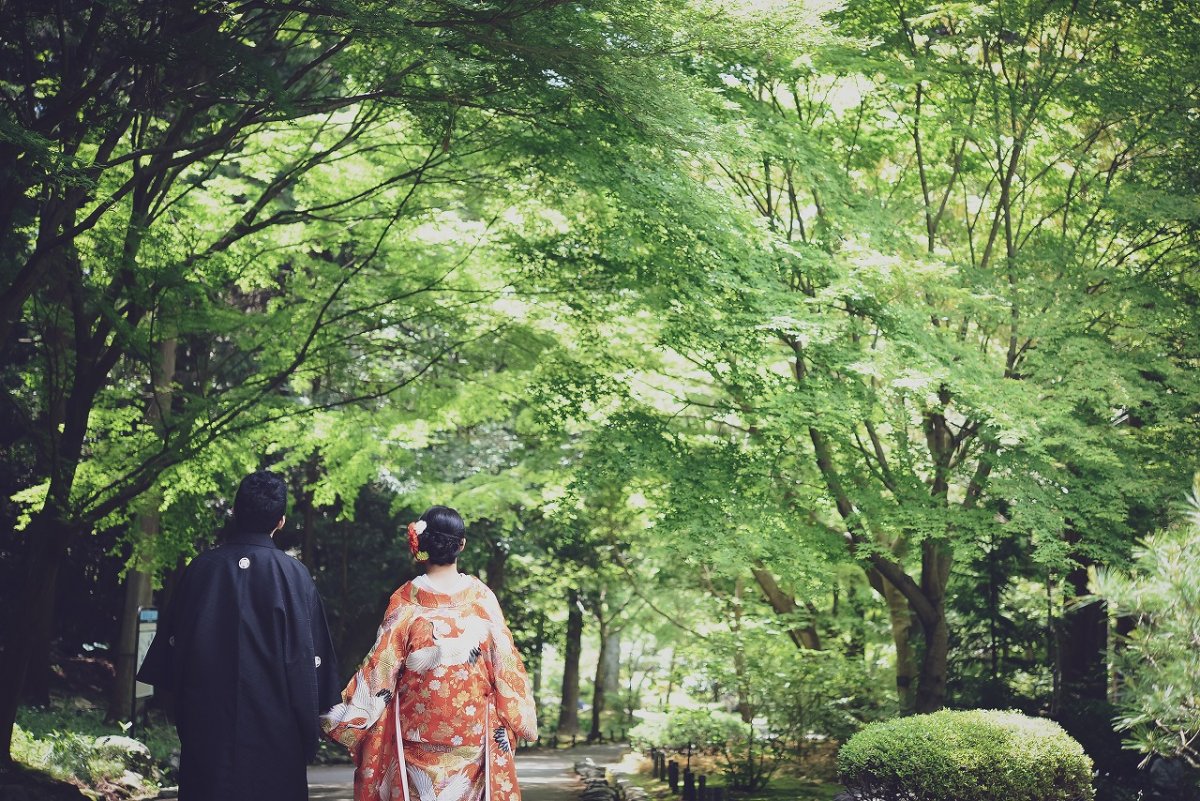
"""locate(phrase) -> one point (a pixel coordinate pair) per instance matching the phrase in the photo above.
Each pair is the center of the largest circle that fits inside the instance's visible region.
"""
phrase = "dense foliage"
(1159, 696)
(792, 361)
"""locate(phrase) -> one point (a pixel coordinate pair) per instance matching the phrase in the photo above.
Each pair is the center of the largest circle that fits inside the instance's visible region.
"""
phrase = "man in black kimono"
(245, 648)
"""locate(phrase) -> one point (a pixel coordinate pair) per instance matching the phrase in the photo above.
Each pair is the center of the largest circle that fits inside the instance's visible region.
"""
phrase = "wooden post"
(673, 775)
(654, 763)
(689, 785)
(701, 791)
(662, 767)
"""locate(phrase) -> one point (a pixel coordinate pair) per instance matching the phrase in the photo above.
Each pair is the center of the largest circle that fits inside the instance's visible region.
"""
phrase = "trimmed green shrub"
(977, 755)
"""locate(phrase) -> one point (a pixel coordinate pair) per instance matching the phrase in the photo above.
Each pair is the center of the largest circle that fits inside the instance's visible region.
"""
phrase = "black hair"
(260, 501)
(444, 532)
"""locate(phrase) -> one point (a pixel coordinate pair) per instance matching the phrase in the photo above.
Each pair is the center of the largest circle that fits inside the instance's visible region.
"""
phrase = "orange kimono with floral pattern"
(445, 666)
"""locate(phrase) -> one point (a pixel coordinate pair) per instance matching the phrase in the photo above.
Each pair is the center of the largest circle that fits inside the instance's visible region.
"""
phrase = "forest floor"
(545, 775)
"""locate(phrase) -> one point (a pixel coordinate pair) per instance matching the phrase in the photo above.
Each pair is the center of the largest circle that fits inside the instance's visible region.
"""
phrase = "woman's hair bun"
(444, 531)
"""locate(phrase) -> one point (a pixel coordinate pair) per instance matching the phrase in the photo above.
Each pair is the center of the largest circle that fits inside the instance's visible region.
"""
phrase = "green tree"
(239, 179)
(918, 348)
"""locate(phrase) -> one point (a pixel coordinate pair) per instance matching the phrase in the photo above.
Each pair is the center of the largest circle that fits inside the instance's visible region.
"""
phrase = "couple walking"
(431, 715)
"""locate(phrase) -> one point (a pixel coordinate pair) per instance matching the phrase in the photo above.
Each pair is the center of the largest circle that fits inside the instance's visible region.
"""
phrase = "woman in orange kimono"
(432, 713)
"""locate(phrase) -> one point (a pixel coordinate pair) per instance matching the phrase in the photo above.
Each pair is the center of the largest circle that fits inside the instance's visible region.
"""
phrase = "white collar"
(423, 582)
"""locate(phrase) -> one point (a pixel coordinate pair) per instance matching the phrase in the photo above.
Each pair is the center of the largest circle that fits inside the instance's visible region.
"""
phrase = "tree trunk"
(931, 685)
(308, 514)
(138, 593)
(744, 706)
(50, 536)
(1082, 636)
(568, 713)
(901, 617)
(139, 584)
(666, 704)
(935, 575)
(497, 569)
(41, 666)
(599, 687)
(856, 647)
(539, 660)
(611, 663)
(804, 636)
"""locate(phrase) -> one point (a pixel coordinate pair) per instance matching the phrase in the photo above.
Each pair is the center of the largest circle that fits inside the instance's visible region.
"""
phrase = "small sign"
(147, 626)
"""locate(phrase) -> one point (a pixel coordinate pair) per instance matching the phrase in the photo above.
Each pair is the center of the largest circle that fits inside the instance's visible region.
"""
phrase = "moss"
(980, 755)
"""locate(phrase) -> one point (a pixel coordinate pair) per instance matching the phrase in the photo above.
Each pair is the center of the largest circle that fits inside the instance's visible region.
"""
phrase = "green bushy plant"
(702, 728)
(67, 756)
(824, 694)
(76, 746)
(749, 758)
(44, 725)
(29, 750)
(821, 694)
(980, 755)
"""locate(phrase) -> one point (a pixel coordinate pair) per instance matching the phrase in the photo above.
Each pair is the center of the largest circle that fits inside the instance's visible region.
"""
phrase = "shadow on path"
(544, 775)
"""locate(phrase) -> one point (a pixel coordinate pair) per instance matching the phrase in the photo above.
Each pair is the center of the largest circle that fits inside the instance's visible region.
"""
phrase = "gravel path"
(544, 775)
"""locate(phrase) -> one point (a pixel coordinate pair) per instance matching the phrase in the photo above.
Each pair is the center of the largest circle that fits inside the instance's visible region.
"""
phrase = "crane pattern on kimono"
(448, 651)
(362, 709)
(455, 789)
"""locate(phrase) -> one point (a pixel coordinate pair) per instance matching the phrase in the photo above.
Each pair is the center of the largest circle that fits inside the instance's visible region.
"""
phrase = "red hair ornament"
(415, 530)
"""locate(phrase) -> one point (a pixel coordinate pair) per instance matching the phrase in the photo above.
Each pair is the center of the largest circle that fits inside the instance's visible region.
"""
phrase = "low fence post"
(701, 792)
(689, 785)
(673, 775)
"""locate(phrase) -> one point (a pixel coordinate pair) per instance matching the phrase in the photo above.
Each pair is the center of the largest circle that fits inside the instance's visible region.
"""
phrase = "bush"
(825, 694)
(113, 765)
(978, 755)
(704, 729)
(57, 728)
(749, 758)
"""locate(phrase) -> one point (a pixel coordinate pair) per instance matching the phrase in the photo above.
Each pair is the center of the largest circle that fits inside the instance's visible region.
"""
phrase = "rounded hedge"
(976, 755)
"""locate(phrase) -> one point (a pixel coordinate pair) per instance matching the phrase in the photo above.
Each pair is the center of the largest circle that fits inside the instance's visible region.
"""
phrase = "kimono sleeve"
(327, 666)
(367, 695)
(514, 700)
(310, 665)
(160, 667)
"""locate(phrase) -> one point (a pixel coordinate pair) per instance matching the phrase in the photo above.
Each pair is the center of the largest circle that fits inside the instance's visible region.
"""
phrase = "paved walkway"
(544, 775)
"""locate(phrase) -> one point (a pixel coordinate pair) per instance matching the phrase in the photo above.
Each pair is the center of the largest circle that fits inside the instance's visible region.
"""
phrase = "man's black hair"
(261, 500)
(444, 532)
